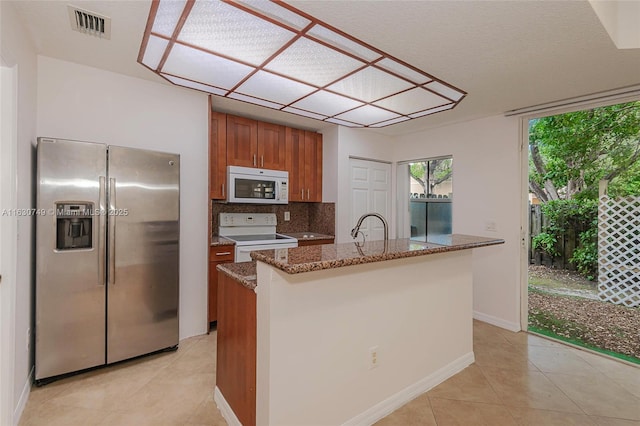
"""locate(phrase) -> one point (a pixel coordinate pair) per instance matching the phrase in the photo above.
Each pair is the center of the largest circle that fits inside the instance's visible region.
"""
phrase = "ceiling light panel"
(305, 113)
(271, 54)
(370, 85)
(311, 62)
(265, 85)
(252, 100)
(327, 103)
(197, 65)
(367, 115)
(350, 46)
(232, 32)
(155, 49)
(432, 111)
(193, 85)
(277, 13)
(412, 100)
(167, 17)
(446, 91)
(403, 71)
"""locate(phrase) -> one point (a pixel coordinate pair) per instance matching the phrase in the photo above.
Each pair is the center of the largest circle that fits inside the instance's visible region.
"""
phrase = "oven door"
(243, 252)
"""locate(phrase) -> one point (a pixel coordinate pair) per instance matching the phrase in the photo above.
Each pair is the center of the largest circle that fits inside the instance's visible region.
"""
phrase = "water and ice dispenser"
(74, 225)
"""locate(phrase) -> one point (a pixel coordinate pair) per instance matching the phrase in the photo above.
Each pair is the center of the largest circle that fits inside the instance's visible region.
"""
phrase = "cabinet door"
(271, 146)
(217, 255)
(295, 162)
(242, 141)
(217, 155)
(313, 166)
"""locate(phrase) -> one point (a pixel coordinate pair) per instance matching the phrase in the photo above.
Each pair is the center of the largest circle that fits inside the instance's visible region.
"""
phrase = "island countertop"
(330, 256)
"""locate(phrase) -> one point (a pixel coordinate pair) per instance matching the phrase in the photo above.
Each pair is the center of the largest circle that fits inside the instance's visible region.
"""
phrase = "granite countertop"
(329, 256)
(243, 272)
(308, 236)
(221, 241)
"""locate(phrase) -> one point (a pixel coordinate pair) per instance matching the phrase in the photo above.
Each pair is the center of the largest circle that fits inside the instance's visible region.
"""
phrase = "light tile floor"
(517, 379)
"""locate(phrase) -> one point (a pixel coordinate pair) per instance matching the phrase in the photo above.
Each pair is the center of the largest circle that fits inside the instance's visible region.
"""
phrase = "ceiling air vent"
(89, 22)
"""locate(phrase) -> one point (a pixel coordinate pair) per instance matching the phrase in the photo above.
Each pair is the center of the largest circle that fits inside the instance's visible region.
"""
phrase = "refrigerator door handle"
(112, 231)
(101, 231)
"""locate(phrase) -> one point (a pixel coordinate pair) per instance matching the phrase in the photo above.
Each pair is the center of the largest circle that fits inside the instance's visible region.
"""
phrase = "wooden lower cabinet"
(236, 348)
(217, 255)
(315, 242)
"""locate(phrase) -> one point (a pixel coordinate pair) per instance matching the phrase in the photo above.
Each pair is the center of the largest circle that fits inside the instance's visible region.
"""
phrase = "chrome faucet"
(355, 231)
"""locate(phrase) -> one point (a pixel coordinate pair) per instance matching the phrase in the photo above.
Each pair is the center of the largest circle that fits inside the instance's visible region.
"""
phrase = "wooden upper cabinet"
(271, 146)
(295, 162)
(252, 143)
(217, 155)
(304, 163)
(242, 141)
(313, 166)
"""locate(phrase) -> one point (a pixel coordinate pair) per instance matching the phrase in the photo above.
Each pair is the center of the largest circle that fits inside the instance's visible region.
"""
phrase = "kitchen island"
(340, 333)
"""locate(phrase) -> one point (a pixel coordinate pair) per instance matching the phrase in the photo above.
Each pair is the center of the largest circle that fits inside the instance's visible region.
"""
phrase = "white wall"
(486, 188)
(315, 331)
(83, 103)
(19, 52)
(364, 144)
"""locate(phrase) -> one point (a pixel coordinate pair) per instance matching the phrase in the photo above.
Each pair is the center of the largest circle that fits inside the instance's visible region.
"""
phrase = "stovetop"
(251, 229)
(258, 238)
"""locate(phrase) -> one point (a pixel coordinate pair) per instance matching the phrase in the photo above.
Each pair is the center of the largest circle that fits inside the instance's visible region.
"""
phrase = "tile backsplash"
(315, 217)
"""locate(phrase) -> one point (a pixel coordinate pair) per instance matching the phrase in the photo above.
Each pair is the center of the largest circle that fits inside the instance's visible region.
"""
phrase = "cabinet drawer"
(221, 254)
(302, 242)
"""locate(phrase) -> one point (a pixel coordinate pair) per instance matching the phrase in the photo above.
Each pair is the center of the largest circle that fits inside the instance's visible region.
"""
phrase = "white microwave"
(260, 186)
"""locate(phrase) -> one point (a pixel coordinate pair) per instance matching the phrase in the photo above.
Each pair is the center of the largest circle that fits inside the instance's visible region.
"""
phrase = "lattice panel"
(619, 250)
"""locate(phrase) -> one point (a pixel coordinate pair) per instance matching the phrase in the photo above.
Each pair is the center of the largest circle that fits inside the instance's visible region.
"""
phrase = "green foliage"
(585, 256)
(570, 154)
(547, 243)
(575, 215)
(580, 148)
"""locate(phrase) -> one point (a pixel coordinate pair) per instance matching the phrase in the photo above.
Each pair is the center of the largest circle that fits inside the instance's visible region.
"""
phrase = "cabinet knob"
(254, 160)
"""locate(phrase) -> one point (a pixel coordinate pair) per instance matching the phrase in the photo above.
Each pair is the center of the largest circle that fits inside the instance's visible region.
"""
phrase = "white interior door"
(8, 224)
(370, 193)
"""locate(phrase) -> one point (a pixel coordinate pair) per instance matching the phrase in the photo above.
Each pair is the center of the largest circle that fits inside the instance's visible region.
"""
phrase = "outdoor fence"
(566, 244)
(619, 249)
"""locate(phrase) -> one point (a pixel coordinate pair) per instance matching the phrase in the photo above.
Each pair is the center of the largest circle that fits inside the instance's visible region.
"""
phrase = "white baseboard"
(498, 322)
(24, 397)
(225, 408)
(386, 407)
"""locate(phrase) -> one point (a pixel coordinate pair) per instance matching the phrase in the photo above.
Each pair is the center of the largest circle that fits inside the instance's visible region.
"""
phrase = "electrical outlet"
(287, 216)
(490, 226)
(373, 357)
(28, 343)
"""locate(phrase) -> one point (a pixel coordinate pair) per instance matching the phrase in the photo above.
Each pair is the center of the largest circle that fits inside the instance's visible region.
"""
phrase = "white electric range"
(253, 231)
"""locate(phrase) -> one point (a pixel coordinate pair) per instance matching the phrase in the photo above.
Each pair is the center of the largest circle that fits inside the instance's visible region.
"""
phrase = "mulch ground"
(601, 324)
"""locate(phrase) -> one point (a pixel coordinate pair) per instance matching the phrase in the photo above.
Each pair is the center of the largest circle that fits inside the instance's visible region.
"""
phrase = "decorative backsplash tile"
(314, 217)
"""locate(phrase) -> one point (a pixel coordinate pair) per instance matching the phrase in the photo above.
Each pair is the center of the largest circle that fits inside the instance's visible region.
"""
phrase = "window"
(430, 198)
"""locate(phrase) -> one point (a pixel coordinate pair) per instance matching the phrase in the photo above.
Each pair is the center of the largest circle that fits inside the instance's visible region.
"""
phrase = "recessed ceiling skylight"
(271, 54)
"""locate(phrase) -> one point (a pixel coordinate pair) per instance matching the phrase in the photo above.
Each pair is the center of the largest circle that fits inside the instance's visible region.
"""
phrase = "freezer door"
(143, 269)
(70, 278)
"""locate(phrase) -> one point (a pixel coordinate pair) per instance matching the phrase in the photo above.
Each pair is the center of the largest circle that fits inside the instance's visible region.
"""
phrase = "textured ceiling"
(506, 55)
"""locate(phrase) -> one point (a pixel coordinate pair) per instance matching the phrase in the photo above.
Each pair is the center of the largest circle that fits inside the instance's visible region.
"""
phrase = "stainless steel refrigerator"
(107, 260)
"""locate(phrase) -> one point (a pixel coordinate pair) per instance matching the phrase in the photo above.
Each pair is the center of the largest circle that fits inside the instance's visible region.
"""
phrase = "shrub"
(579, 215)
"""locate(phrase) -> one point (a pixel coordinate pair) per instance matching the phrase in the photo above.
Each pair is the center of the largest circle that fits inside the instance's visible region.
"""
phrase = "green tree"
(570, 153)
(431, 173)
